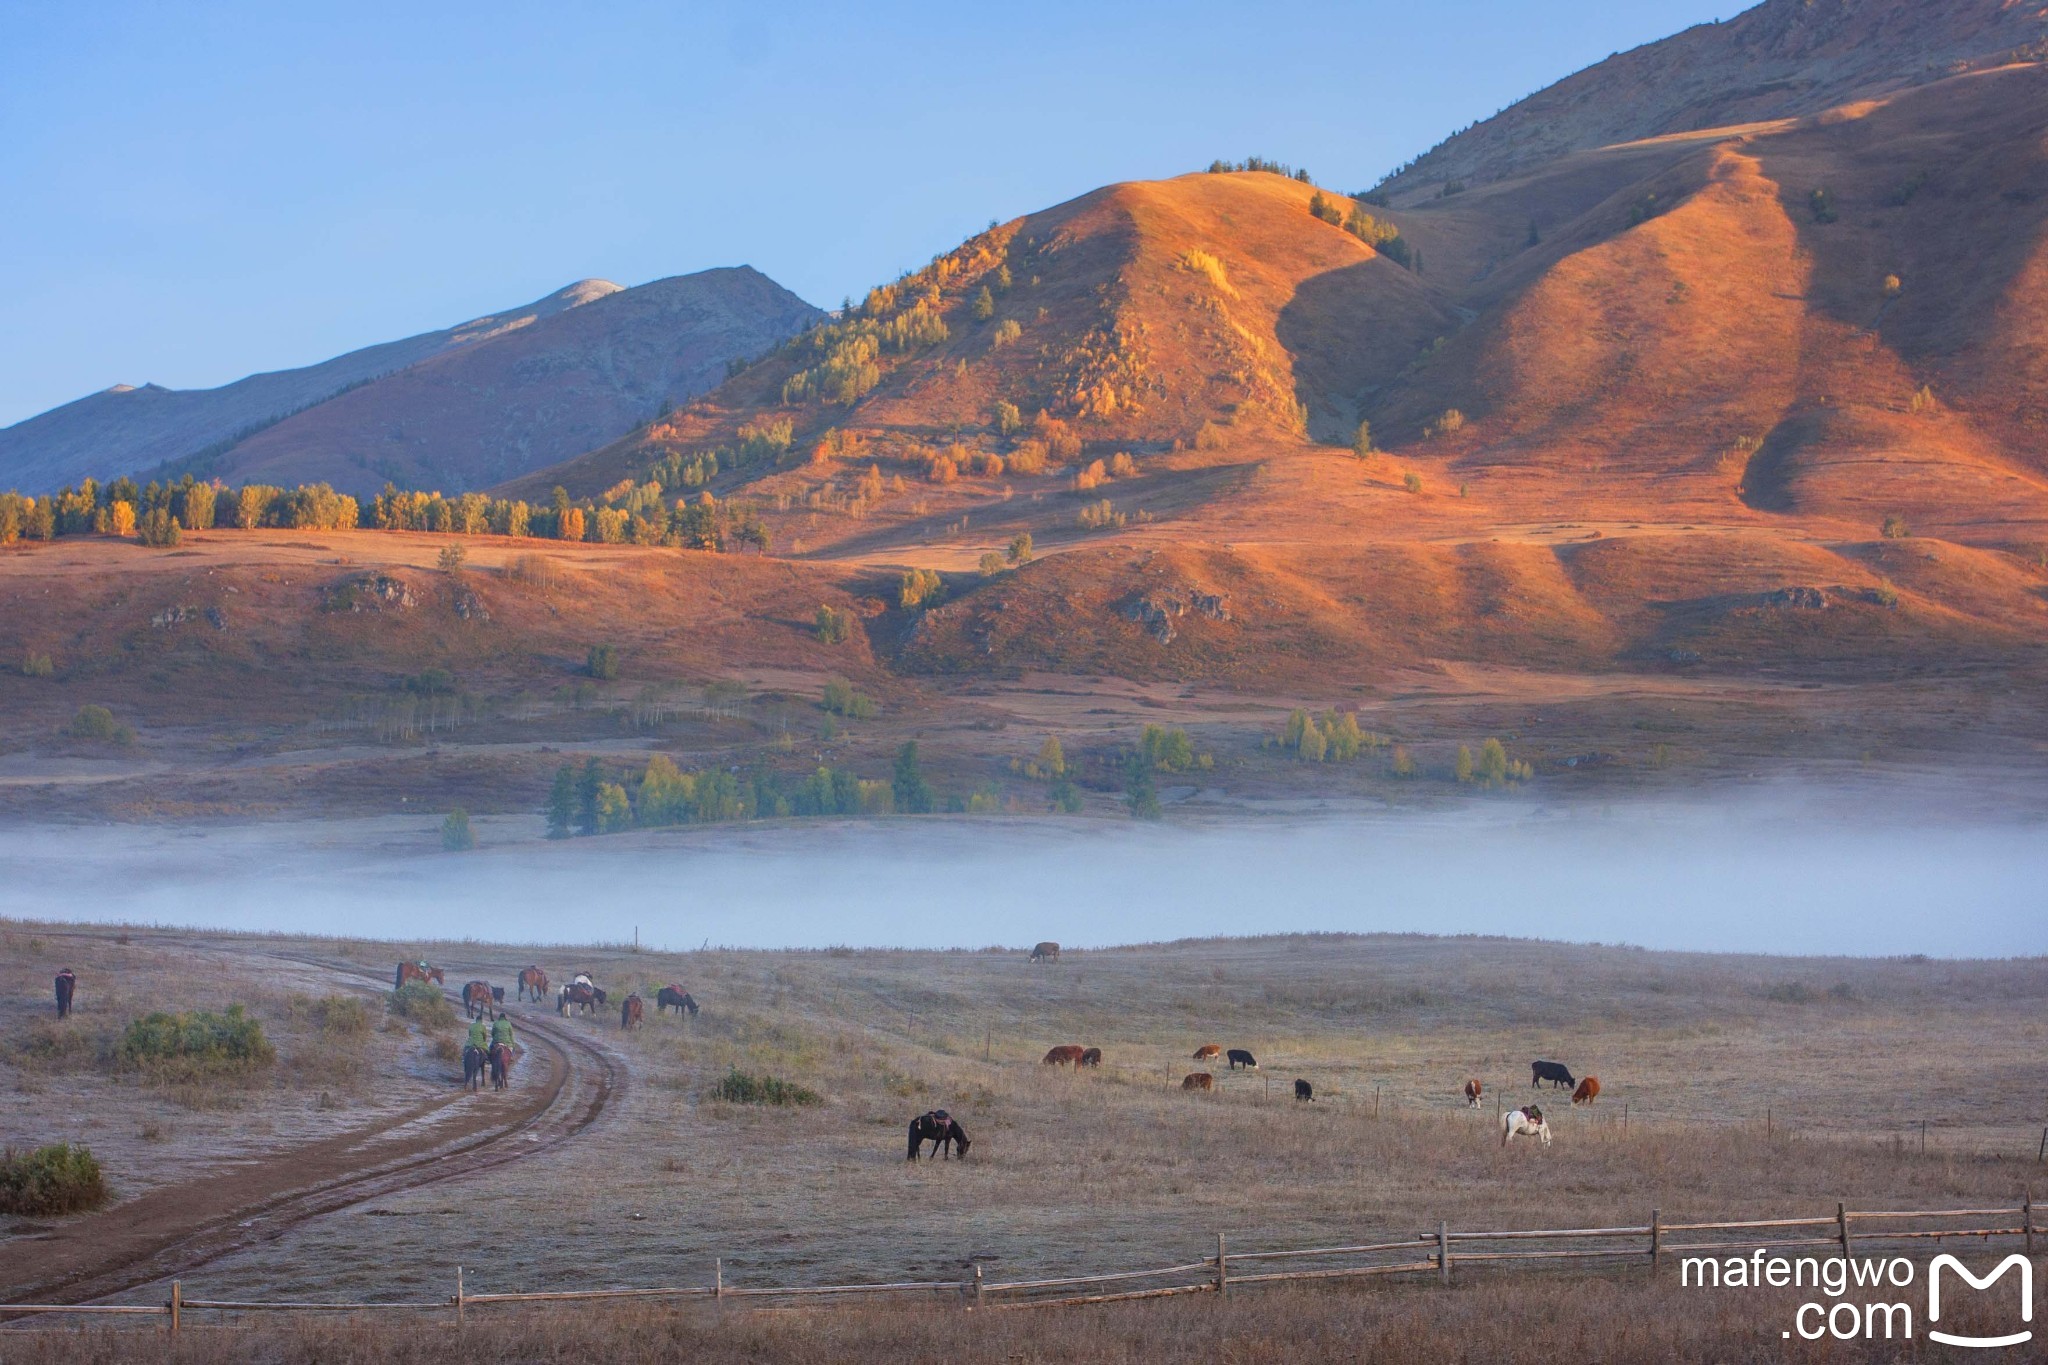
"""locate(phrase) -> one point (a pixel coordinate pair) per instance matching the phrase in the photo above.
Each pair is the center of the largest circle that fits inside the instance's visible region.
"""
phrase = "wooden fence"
(1846, 1232)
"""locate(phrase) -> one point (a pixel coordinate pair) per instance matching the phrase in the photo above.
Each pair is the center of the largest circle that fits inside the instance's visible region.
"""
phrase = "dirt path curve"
(172, 1230)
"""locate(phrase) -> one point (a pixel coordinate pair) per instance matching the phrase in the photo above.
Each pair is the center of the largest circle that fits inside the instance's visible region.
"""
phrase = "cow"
(1208, 1052)
(1304, 1091)
(67, 989)
(532, 981)
(476, 999)
(1238, 1057)
(1092, 1057)
(1069, 1054)
(1588, 1091)
(1472, 1091)
(1557, 1073)
(1524, 1122)
(631, 1012)
(674, 998)
(940, 1129)
(1198, 1080)
(1047, 951)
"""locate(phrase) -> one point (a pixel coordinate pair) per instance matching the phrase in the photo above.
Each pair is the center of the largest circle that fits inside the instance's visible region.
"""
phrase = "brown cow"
(1472, 1089)
(1092, 1057)
(1047, 951)
(1208, 1052)
(1198, 1080)
(1068, 1055)
(1588, 1091)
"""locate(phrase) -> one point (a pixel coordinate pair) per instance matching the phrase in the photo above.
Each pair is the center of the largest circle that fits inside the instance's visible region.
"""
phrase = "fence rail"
(1440, 1252)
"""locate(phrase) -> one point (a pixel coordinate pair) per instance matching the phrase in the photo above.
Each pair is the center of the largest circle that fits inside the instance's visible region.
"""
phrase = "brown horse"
(476, 999)
(501, 1066)
(631, 1012)
(67, 988)
(674, 998)
(532, 981)
(414, 971)
(1068, 1055)
(1198, 1080)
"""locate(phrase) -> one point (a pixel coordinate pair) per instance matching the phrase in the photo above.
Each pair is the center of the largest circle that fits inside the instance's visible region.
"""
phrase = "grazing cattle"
(631, 1012)
(1524, 1122)
(1588, 1091)
(1472, 1091)
(67, 990)
(1238, 1057)
(1047, 951)
(1068, 1055)
(1208, 1052)
(476, 998)
(475, 1061)
(674, 998)
(1557, 1073)
(1092, 1057)
(579, 997)
(418, 971)
(1304, 1091)
(940, 1129)
(532, 981)
(501, 1066)
(1198, 1080)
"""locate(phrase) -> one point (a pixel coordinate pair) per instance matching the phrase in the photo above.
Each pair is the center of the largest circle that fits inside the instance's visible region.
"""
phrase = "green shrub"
(423, 1003)
(835, 627)
(741, 1087)
(841, 699)
(602, 662)
(55, 1179)
(343, 1016)
(1895, 528)
(456, 834)
(196, 1043)
(37, 666)
(97, 723)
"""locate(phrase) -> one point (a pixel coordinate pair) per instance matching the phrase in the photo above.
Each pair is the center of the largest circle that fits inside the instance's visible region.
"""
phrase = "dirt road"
(562, 1086)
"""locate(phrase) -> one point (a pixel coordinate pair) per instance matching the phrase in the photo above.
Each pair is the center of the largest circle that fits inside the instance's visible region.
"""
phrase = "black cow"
(1238, 1057)
(1557, 1073)
(1304, 1091)
(67, 987)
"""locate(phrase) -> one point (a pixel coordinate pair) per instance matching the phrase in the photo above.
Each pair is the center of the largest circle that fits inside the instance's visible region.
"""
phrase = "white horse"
(1524, 1123)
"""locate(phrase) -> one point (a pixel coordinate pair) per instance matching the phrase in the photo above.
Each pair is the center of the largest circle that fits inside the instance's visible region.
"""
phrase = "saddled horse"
(476, 999)
(501, 1065)
(942, 1130)
(579, 997)
(474, 1063)
(674, 998)
(632, 1011)
(67, 988)
(413, 971)
(534, 981)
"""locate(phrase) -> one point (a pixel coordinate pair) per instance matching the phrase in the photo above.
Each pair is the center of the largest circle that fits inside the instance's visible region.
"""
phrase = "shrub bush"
(742, 1087)
(841, 699)
(55, 1179)
(422, 1003)
(37, 666)
(97, 722)
(456, 834)
(195, 1044)
(602, 662)
(835, 627)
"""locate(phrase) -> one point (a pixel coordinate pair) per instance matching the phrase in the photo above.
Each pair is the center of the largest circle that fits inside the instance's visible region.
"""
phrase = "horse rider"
(501, 1032)
(480, 1034)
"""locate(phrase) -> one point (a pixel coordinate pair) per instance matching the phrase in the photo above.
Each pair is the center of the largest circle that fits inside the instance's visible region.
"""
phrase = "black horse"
(475, 1061)
(67, 987)
(942, 1130)
(674, 998)
(501, 1066)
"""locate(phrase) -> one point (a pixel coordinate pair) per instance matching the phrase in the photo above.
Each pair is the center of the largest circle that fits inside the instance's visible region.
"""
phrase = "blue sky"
(194, 192)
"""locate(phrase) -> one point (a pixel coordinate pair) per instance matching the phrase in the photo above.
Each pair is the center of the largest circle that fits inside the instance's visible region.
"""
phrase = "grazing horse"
(1069, 1054)
(1304, 1091)
(418, 971)
(631, 1012)
(1047, 951)
(1527, 1121)
(475, 1061)
(532, 981)
(1240, 1058)
(674, 998)
(476, 998)
(1557, 1073)
(1092, 1057)
(579, 997)
(1472, 1090)
(1198, 1080)
(1588, 1091)
(1208, 1052)
(942, 1130)
(67, 988)
(501, 1066)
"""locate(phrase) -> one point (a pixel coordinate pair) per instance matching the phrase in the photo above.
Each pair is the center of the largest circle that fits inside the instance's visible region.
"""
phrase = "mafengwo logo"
(1948, 1262)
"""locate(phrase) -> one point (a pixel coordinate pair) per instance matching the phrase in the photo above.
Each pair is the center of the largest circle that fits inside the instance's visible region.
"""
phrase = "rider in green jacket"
(501, 1032)
(479, 1035)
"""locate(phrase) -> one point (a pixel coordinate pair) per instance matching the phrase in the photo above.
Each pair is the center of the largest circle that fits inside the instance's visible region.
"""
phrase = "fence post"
(1656, 1240)
(1443, 1252)
(1842, 1223)
(458, 1296)
(1923, 1137)
(977, 1284)
(2027, 1221)
(1222, 1267)
(718, 1278)
(178, 1304)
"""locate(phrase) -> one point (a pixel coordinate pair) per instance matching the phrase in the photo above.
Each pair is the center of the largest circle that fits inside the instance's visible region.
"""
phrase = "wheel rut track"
(180, 1228)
